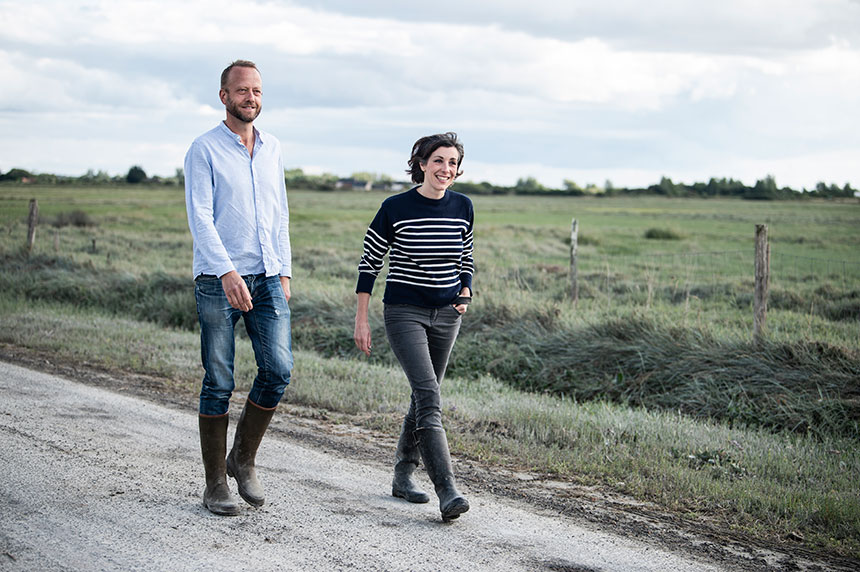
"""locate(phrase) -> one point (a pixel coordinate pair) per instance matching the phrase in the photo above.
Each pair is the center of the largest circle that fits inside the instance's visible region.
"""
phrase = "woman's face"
(441, 168)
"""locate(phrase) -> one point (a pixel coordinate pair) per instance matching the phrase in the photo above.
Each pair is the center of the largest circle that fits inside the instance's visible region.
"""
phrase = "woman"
(428, 231)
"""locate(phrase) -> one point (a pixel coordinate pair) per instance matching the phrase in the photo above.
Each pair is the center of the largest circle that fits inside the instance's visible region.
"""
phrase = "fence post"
(762, 279)
(32, 219)
(574, 282)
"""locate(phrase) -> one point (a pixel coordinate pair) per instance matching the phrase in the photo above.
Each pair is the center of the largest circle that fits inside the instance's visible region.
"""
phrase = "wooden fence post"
(574, 282)
(762, 280)
(32, 220)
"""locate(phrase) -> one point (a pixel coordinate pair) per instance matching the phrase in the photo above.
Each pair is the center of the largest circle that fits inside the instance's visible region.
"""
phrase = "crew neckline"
(428, 199)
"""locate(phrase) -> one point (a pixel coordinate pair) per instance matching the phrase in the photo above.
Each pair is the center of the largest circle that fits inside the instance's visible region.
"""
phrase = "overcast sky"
(554, 89)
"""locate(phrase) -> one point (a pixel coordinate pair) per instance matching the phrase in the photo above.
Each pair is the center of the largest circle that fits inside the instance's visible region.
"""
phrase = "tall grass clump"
(661, 234)
(73, 218)
(800, 387)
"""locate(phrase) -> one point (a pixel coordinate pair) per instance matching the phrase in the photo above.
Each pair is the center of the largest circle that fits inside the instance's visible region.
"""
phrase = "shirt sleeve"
(199, 203)
(284, 234)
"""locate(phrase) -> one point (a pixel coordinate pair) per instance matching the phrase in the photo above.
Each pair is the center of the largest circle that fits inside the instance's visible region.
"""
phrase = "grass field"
(650, 385)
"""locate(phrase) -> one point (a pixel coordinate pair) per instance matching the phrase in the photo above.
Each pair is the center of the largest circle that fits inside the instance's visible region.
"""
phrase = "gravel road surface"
(95, 480)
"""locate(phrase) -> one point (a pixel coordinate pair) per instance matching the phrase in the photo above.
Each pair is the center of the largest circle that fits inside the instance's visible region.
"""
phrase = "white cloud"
(730, 26)
(576, 89)
(58, 84)
(588, 70)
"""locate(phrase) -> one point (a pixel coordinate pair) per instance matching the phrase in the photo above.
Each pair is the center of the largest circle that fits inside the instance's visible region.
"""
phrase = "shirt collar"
(257, 136)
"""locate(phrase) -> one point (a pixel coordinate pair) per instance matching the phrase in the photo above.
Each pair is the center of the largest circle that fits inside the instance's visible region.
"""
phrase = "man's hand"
(285, 284)
(236, 291)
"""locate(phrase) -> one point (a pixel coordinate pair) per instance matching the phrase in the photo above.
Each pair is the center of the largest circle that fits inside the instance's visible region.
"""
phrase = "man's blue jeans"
(422, 340)
(268, 326)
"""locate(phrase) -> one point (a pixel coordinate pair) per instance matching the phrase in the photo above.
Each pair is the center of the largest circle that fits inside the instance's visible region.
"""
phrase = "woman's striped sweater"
(430, 243)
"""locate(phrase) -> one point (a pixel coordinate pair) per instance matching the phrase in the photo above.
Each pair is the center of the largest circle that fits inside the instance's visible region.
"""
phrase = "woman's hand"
(362, 336)
(362, 326)
(463, 307)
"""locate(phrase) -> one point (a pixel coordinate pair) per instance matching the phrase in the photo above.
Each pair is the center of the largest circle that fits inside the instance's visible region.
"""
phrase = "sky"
(619, 90)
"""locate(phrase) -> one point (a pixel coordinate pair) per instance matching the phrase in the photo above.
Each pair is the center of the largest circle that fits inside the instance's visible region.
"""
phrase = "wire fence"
(790, 270)
(730, 271)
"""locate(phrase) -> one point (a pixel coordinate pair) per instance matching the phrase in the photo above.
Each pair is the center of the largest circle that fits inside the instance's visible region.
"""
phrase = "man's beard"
(244, 115)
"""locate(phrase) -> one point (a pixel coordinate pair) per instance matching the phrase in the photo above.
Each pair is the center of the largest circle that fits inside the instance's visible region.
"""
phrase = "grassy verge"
(775, 485)
(650, 359)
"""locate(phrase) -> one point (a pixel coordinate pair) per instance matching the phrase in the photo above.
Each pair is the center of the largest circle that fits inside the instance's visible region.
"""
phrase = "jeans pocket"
(208, 285)
(394, 312)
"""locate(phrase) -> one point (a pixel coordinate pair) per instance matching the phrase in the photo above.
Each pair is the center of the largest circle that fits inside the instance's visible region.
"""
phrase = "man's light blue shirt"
(237, 205)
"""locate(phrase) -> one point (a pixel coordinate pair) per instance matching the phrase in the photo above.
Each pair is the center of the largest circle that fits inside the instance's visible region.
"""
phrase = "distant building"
(351, 184)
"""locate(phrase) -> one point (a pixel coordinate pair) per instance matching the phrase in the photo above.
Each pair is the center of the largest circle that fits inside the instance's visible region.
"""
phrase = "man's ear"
(223, 95)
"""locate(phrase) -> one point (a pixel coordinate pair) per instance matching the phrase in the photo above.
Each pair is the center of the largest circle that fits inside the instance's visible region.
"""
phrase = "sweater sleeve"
(376, 245)
(467, 262)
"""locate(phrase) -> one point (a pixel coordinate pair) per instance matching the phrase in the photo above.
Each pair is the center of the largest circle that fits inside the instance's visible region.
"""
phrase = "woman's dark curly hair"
(425, 146)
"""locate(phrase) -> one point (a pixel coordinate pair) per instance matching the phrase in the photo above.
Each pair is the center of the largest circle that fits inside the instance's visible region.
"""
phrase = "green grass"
(650, 385)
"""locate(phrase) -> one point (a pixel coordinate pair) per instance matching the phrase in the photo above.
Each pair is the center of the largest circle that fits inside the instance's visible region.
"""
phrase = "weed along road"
(96, 480)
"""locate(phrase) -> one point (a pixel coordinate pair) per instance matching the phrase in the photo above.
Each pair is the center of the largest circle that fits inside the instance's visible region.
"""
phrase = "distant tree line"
(135, 176)
(764, 189)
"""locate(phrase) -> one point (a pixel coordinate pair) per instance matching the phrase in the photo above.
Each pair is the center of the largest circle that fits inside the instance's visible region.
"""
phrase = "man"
(237, 211)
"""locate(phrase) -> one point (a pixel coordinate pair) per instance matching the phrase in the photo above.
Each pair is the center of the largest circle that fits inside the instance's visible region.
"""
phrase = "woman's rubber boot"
(433, 444)
(240, 462)
(213, 444)
(405, 462)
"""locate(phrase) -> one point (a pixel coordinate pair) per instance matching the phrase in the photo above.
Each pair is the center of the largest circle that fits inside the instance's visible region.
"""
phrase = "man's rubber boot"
(240, 462)
(433, 444)
(213, 444)
(405, 462)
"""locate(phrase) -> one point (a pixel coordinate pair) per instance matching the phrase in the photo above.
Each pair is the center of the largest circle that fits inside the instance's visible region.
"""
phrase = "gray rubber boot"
(240, 462)
(213, 445)
(433, 444)
(405, 462)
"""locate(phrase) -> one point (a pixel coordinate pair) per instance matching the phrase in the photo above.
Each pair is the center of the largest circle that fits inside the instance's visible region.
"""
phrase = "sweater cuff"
(365, 283)
(465, 281)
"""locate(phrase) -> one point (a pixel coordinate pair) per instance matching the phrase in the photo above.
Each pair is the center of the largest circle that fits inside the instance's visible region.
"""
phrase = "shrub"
(75, 218)
(662, 234)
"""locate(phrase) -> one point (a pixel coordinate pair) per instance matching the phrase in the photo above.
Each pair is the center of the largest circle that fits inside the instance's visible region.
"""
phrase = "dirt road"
(95, 480)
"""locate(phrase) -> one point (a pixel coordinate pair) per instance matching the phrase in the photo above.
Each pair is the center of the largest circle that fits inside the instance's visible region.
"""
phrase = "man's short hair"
(238, 63)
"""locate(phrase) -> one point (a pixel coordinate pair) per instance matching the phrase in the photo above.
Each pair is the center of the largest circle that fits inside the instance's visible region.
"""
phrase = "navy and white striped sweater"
(431, 249)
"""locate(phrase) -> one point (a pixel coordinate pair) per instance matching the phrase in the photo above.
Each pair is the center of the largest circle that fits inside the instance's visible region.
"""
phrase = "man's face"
(243, 94)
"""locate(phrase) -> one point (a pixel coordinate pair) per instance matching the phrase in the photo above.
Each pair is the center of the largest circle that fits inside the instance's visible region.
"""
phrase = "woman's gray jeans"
(422, 339)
